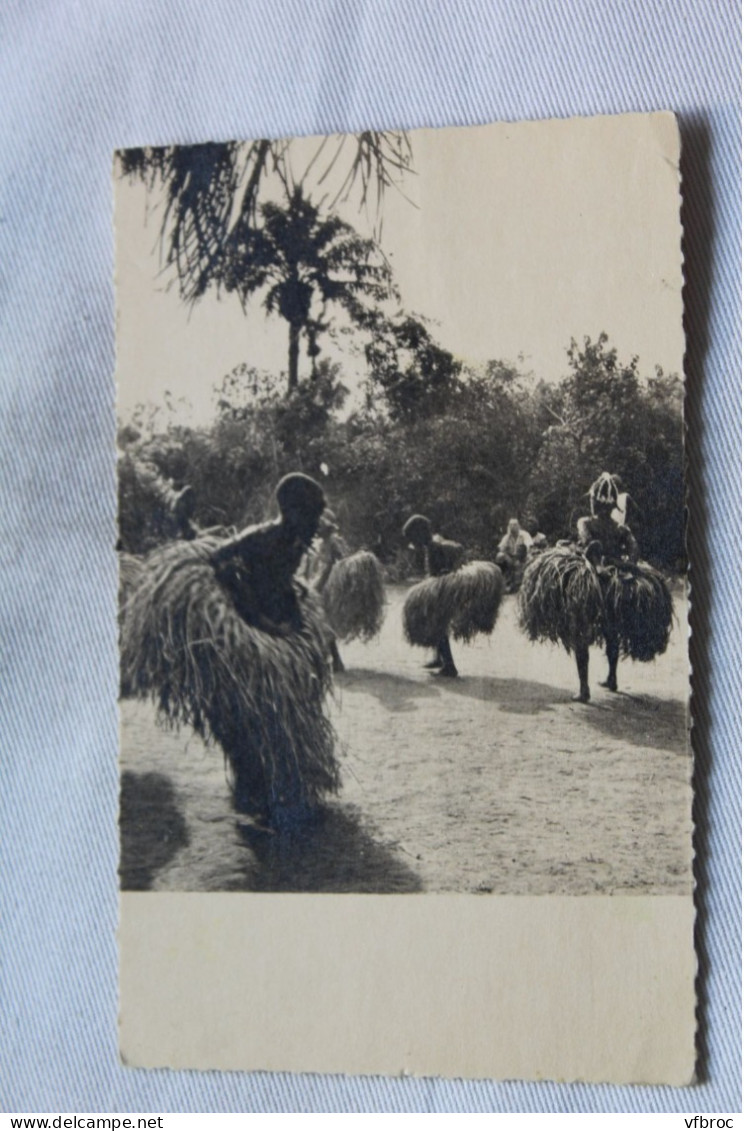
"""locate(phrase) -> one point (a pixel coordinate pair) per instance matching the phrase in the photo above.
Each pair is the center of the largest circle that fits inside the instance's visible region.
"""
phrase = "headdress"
(604, 490)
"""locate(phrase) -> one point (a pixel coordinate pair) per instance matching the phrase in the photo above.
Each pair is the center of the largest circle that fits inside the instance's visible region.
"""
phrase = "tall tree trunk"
(294, 356)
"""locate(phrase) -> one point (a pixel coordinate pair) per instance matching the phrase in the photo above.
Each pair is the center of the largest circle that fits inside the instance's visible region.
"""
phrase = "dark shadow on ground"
(517, 696)
(395, 691)
(151, 828)
(640, 719)
(331, 852)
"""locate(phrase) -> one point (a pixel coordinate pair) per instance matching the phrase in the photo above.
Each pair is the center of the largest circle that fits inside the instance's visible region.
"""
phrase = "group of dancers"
(238, 636)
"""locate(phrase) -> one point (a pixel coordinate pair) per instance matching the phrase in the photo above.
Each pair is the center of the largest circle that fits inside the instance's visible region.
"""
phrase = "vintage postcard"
(403, 617)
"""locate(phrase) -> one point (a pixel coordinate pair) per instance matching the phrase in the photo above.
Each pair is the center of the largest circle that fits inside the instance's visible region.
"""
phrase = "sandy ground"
(495, 782)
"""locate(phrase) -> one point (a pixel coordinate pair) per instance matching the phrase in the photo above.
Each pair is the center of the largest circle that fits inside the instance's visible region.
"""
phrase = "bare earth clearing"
(495, 782)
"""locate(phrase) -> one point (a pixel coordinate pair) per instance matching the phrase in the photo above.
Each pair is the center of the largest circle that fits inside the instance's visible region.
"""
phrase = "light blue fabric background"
(80, 77)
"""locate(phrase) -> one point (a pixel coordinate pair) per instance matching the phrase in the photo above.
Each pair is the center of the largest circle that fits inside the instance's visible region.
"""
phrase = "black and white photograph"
(371, 655)
(403, 613)
(401, 510)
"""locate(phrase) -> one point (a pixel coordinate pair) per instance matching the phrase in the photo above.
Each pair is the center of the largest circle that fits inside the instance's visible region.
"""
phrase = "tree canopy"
(213, 191)
(302, 262)
(218, 233)
(469, 446)
(605, 416)
(492, 444)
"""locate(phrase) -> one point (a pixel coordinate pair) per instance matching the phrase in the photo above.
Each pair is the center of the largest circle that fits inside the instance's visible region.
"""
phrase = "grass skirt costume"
(460, 604)
(130, 574)
(354, 597)
(568, 600)
(188, 645)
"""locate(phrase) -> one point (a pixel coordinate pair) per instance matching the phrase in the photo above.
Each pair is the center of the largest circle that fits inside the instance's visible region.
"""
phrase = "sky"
(513, 239)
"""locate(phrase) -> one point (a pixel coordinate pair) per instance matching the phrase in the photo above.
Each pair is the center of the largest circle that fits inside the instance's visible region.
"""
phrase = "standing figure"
(538, 541)
(328, 547)
(597, 592)
(224, 639)
(609, 546)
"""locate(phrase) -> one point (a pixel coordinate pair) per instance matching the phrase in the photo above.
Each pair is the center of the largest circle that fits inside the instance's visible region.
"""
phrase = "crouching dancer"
(455, 600)
(441, 557)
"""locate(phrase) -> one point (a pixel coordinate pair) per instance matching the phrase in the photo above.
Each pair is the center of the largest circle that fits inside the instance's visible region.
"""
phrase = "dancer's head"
(417, 531)
(301, 502)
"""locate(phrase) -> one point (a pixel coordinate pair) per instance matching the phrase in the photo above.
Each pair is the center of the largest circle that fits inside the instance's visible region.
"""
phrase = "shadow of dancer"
(332, 852)
(152, 828)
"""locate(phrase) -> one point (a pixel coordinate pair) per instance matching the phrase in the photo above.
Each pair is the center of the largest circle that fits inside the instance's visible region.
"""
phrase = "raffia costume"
(598, 592)
(352, 588)
(223, 638)
(455, 600)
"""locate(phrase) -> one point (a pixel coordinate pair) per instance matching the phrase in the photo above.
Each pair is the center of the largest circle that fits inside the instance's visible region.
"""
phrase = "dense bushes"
(487, 446)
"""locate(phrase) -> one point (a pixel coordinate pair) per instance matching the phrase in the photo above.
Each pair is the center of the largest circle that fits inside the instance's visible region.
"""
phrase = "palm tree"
(304, 261)
(210, 190)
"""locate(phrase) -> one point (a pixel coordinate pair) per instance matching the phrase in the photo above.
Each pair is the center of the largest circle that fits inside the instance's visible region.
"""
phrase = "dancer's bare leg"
(581, 652)
(613, 654)
(447, 667)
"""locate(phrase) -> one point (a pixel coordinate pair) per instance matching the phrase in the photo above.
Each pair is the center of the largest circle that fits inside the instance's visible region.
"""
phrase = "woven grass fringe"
(638, 609)
(130, 574)
(460, 604)
(354, 597)
(566, 600)
(260, 696)
(561, 600)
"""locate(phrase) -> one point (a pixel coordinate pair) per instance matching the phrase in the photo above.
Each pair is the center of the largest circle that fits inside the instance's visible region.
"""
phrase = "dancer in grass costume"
(455, 600)
(598, 592)
(224, 639)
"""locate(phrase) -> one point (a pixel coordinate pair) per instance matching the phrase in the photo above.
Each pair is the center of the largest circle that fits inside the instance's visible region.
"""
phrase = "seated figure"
(512, 554)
